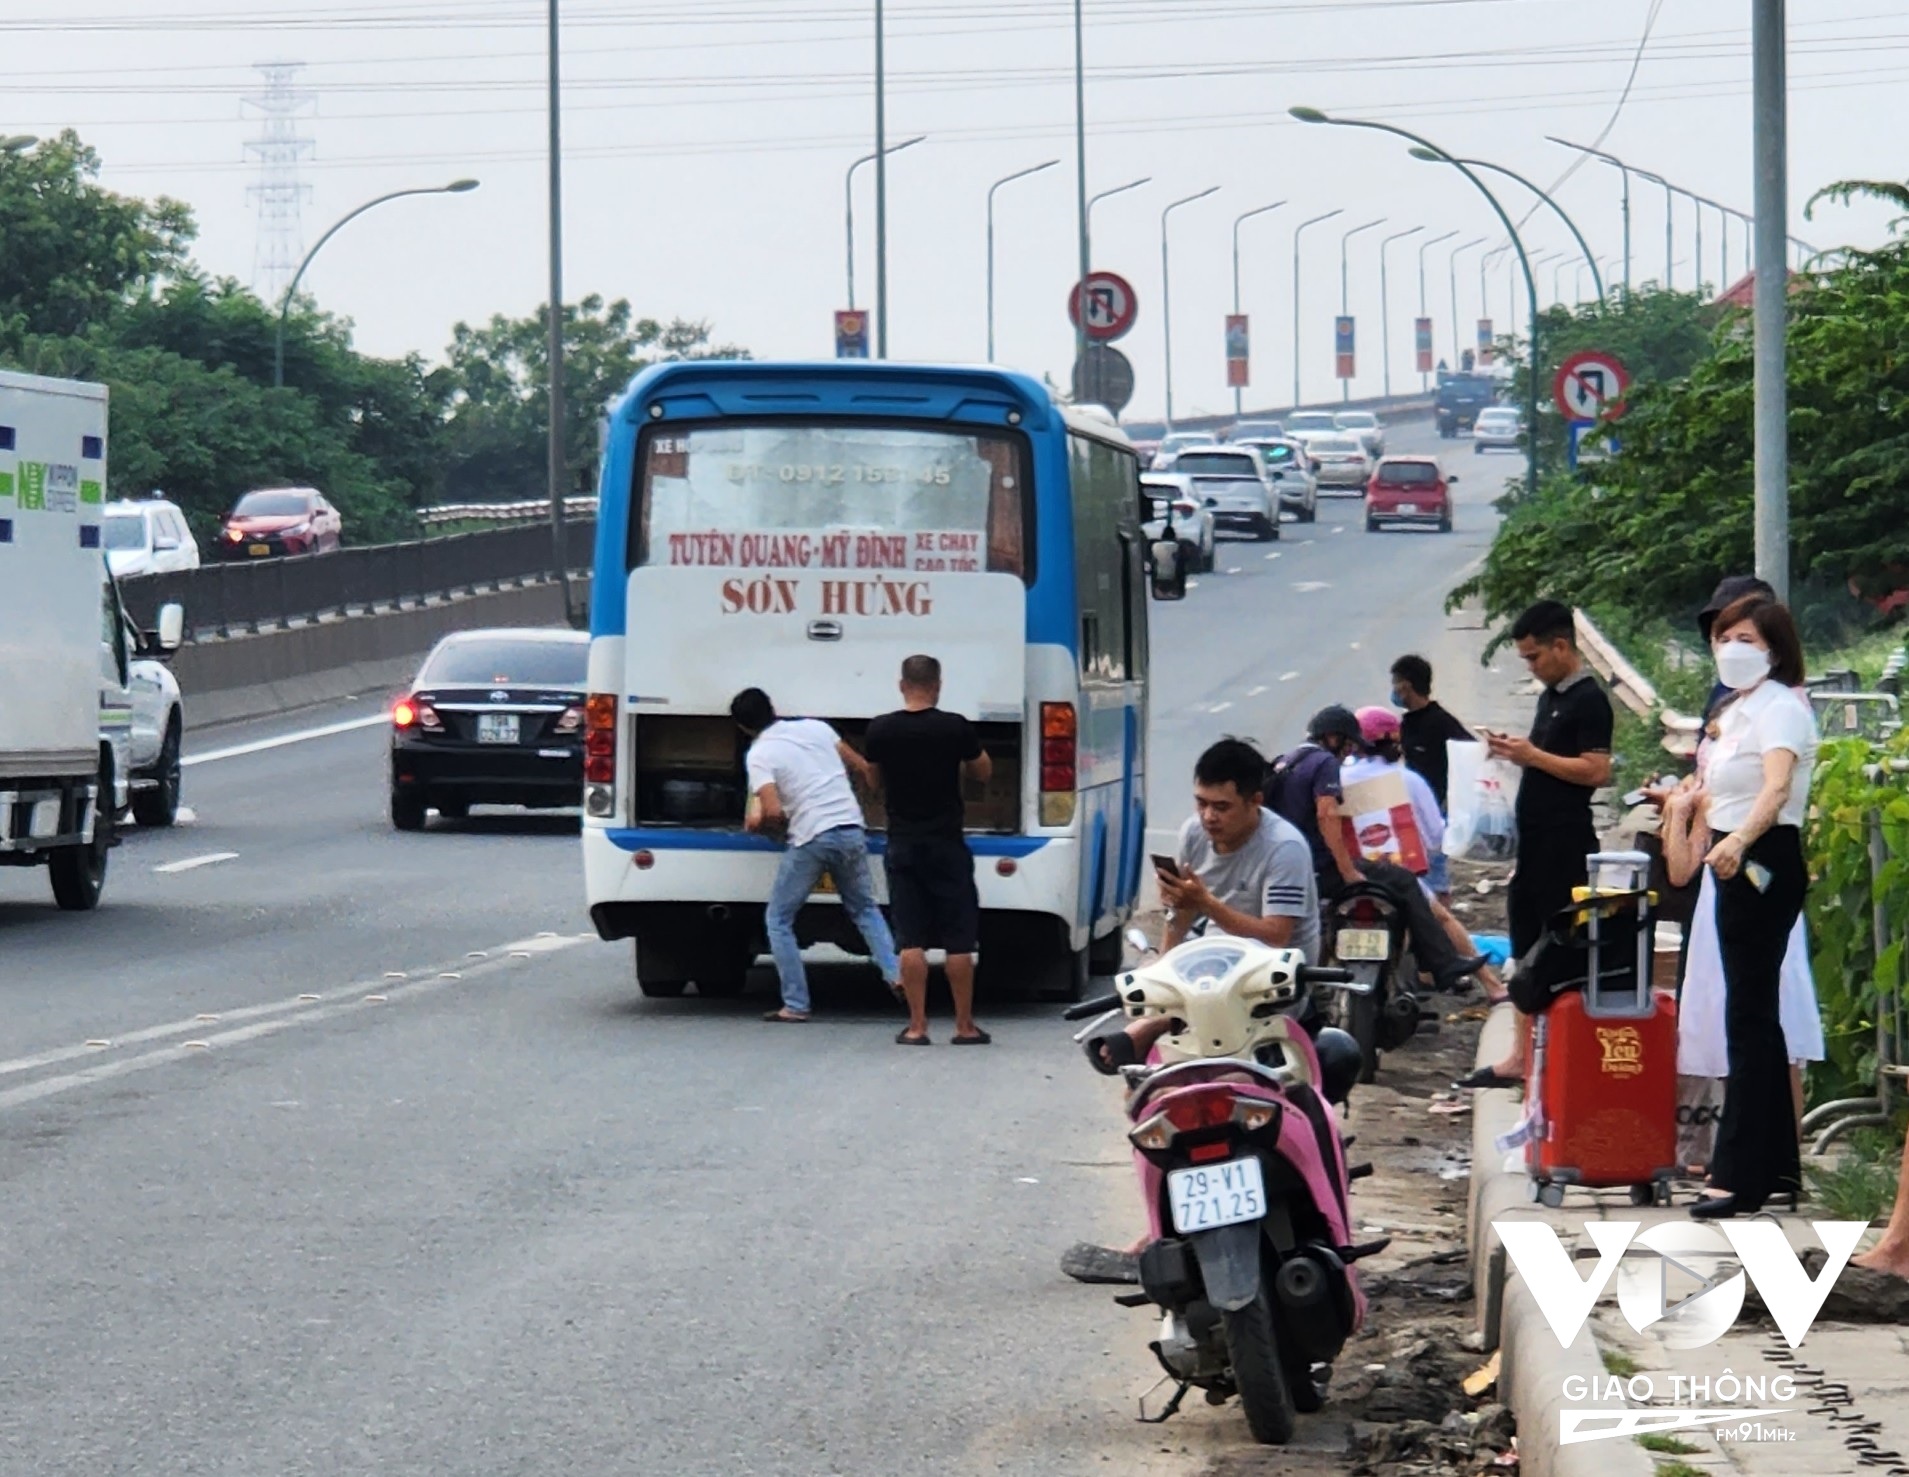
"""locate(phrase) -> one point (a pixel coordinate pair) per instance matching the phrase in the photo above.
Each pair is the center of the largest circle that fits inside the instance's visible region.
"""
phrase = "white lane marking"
(193, 863)
(1341, 528)
(1219, 707)
(185, 815)
(523, 949)
(1355, 646)
(1256, 691)
(1193, 584)
(66, 1082)
(1287, 676)
(1309, 587)
(304, 735)
(1273, 555)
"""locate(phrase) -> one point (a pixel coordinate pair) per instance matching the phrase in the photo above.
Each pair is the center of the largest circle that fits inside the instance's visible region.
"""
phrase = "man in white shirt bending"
(798, 777)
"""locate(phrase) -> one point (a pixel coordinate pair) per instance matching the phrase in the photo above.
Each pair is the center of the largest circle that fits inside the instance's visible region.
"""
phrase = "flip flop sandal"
(902, 1038)
(979, 1038)
(1485, 1077)
(783, 1018)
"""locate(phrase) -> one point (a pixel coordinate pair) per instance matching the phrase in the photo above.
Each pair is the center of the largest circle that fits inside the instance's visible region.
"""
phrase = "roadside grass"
(1666, 1445)
(1617, 1362)
(1679, 1469)
(1860, 1185)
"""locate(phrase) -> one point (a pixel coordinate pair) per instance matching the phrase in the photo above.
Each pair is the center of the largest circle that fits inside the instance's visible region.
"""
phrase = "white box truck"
(65, 652)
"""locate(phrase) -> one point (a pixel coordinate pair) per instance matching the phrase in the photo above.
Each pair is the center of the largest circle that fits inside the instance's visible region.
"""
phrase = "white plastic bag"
(1481, 793)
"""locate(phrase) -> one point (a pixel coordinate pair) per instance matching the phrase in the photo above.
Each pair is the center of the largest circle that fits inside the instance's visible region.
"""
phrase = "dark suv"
(1460, 398)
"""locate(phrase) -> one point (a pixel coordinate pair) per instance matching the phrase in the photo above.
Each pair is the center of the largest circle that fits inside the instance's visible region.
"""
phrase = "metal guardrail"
(523, 512)
(1405, 406)
(246, 597)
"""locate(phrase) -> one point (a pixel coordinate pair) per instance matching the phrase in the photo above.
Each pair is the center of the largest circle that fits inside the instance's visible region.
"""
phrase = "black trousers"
(1431, 945)
(1756, 1151)
(1550, 864)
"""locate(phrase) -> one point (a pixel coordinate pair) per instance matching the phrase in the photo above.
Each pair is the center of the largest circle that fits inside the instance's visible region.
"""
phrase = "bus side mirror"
(1169, 574)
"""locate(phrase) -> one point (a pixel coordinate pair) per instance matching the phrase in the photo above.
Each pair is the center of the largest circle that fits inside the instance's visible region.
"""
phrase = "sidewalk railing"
(240, 598)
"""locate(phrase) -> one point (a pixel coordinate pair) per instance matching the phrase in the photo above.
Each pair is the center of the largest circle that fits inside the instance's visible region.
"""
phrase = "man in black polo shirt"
(1567, 757)
(1424, 727)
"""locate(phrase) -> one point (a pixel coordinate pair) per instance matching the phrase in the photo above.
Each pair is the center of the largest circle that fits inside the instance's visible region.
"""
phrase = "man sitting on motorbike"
(1243, 871)
(1305, 788)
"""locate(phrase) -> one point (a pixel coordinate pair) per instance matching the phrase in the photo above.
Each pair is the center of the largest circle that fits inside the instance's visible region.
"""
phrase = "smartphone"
(1758, 875)
(1167, 865)
(1636, 797)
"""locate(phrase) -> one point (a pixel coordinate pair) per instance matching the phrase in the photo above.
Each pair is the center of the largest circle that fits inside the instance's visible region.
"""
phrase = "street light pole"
(1458, 344)
(1298, 231)
(1345, 282)
(1004, 180)
(1166, 293)
(848, 193)
(1670, 225)
(1569, 224)
(1093, 200)
(1424, 381)
(1385, 307)
(456, 187)
(1623, 169)
(554, 448)
(881, 188)
(1313, 115)
(1237, 222)
(1082, 206)
(1772, 291)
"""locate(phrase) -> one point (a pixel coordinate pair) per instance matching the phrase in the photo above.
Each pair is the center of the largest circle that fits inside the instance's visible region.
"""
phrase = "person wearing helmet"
(1306, 789)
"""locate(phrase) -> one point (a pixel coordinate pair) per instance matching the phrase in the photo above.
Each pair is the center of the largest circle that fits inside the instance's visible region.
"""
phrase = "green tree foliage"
(97, 286)
(1650, 530)
(497, 439)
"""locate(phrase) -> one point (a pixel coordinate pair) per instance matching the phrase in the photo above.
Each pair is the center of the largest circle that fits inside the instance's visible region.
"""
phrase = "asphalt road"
(328, 1149)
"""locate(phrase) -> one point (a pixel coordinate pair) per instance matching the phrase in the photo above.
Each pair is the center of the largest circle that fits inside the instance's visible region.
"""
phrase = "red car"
(1409, 489)
(279, 520)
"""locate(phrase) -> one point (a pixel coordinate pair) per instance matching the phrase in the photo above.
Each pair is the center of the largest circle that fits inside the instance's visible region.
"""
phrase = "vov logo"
(1688, 1286)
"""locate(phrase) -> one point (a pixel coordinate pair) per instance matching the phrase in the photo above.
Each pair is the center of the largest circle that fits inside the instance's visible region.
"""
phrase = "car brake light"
(599, 739)
(1060, 772)
(404, 715)
(415, 713)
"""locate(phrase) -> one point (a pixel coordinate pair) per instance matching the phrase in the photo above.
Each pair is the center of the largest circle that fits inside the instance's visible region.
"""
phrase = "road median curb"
(1533, 1364)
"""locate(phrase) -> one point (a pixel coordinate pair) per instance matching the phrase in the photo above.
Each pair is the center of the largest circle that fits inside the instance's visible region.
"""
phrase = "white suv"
(147, 537)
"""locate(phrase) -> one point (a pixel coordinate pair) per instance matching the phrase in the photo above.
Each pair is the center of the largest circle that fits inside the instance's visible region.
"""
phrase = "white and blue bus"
(802, 528)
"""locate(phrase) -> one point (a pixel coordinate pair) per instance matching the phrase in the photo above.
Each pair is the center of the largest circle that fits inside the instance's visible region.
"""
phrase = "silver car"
(1171, 446)
(1234, 483)
(1365, 425)
(1171, 509)
(1343, 463)
(1302, 423)
(1292, 472)
(1498, 428)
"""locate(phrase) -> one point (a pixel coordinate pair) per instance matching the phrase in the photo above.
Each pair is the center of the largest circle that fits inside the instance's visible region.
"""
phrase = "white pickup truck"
(66, 648)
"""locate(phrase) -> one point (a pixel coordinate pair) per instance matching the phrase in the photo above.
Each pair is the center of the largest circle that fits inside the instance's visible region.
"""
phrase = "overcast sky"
(705, 143)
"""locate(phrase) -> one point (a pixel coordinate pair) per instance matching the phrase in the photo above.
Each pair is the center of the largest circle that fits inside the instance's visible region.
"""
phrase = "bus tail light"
(1060, 764)
(599, 754)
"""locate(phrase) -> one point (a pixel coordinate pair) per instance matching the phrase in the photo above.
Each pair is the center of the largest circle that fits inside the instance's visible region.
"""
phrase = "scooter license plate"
(1215, 1195)
(1365, 945)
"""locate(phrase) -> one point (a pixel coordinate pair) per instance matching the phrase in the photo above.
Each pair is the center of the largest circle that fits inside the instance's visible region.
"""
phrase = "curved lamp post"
(1298, 231)
(1385, 307)
(1166, 292)
(1623, 169)
(1451, 265)
(1423, 247)
(456, 187)
(1004, 180)
(13, 143)
(1313, 115)
(1432, 156)
(1345, 284)
(1239, 221)
(848, 191)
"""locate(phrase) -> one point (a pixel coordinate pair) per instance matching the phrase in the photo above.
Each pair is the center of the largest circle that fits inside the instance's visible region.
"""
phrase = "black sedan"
(494, 718)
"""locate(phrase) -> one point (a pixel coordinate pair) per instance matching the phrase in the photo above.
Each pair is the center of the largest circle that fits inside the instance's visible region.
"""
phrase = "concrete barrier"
(242, 677)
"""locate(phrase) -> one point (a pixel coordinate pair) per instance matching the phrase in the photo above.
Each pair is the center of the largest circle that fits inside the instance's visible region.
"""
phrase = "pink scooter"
(1243, 1172)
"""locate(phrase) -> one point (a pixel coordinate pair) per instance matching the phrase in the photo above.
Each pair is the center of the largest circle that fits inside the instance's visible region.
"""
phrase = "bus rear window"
(792, 496)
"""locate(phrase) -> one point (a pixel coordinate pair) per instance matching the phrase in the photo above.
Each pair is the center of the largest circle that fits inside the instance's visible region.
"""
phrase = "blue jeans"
(843, 854)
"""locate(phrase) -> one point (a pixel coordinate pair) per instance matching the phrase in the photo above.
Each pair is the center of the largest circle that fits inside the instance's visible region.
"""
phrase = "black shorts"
(932, 901)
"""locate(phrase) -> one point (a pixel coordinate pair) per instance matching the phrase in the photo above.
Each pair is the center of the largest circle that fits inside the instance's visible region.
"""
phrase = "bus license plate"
(1216, 1195)
(497, 728)
(1363, 944)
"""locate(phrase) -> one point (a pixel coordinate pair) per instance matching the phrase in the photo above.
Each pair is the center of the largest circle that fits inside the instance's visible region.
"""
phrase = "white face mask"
(1741, 665)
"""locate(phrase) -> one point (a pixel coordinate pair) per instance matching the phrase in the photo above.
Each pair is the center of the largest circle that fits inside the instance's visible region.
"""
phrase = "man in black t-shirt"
(1424, 727)
(1565, 760)
(920, 755)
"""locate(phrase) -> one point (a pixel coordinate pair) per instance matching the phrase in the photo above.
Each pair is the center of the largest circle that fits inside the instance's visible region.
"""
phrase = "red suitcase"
(1602, 1079)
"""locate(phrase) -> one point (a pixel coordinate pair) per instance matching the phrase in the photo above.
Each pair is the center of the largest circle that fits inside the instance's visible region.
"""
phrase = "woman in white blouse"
(1756, 788)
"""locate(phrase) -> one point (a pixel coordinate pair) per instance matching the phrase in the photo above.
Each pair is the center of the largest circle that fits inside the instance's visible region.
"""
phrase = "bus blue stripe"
(644, 839)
